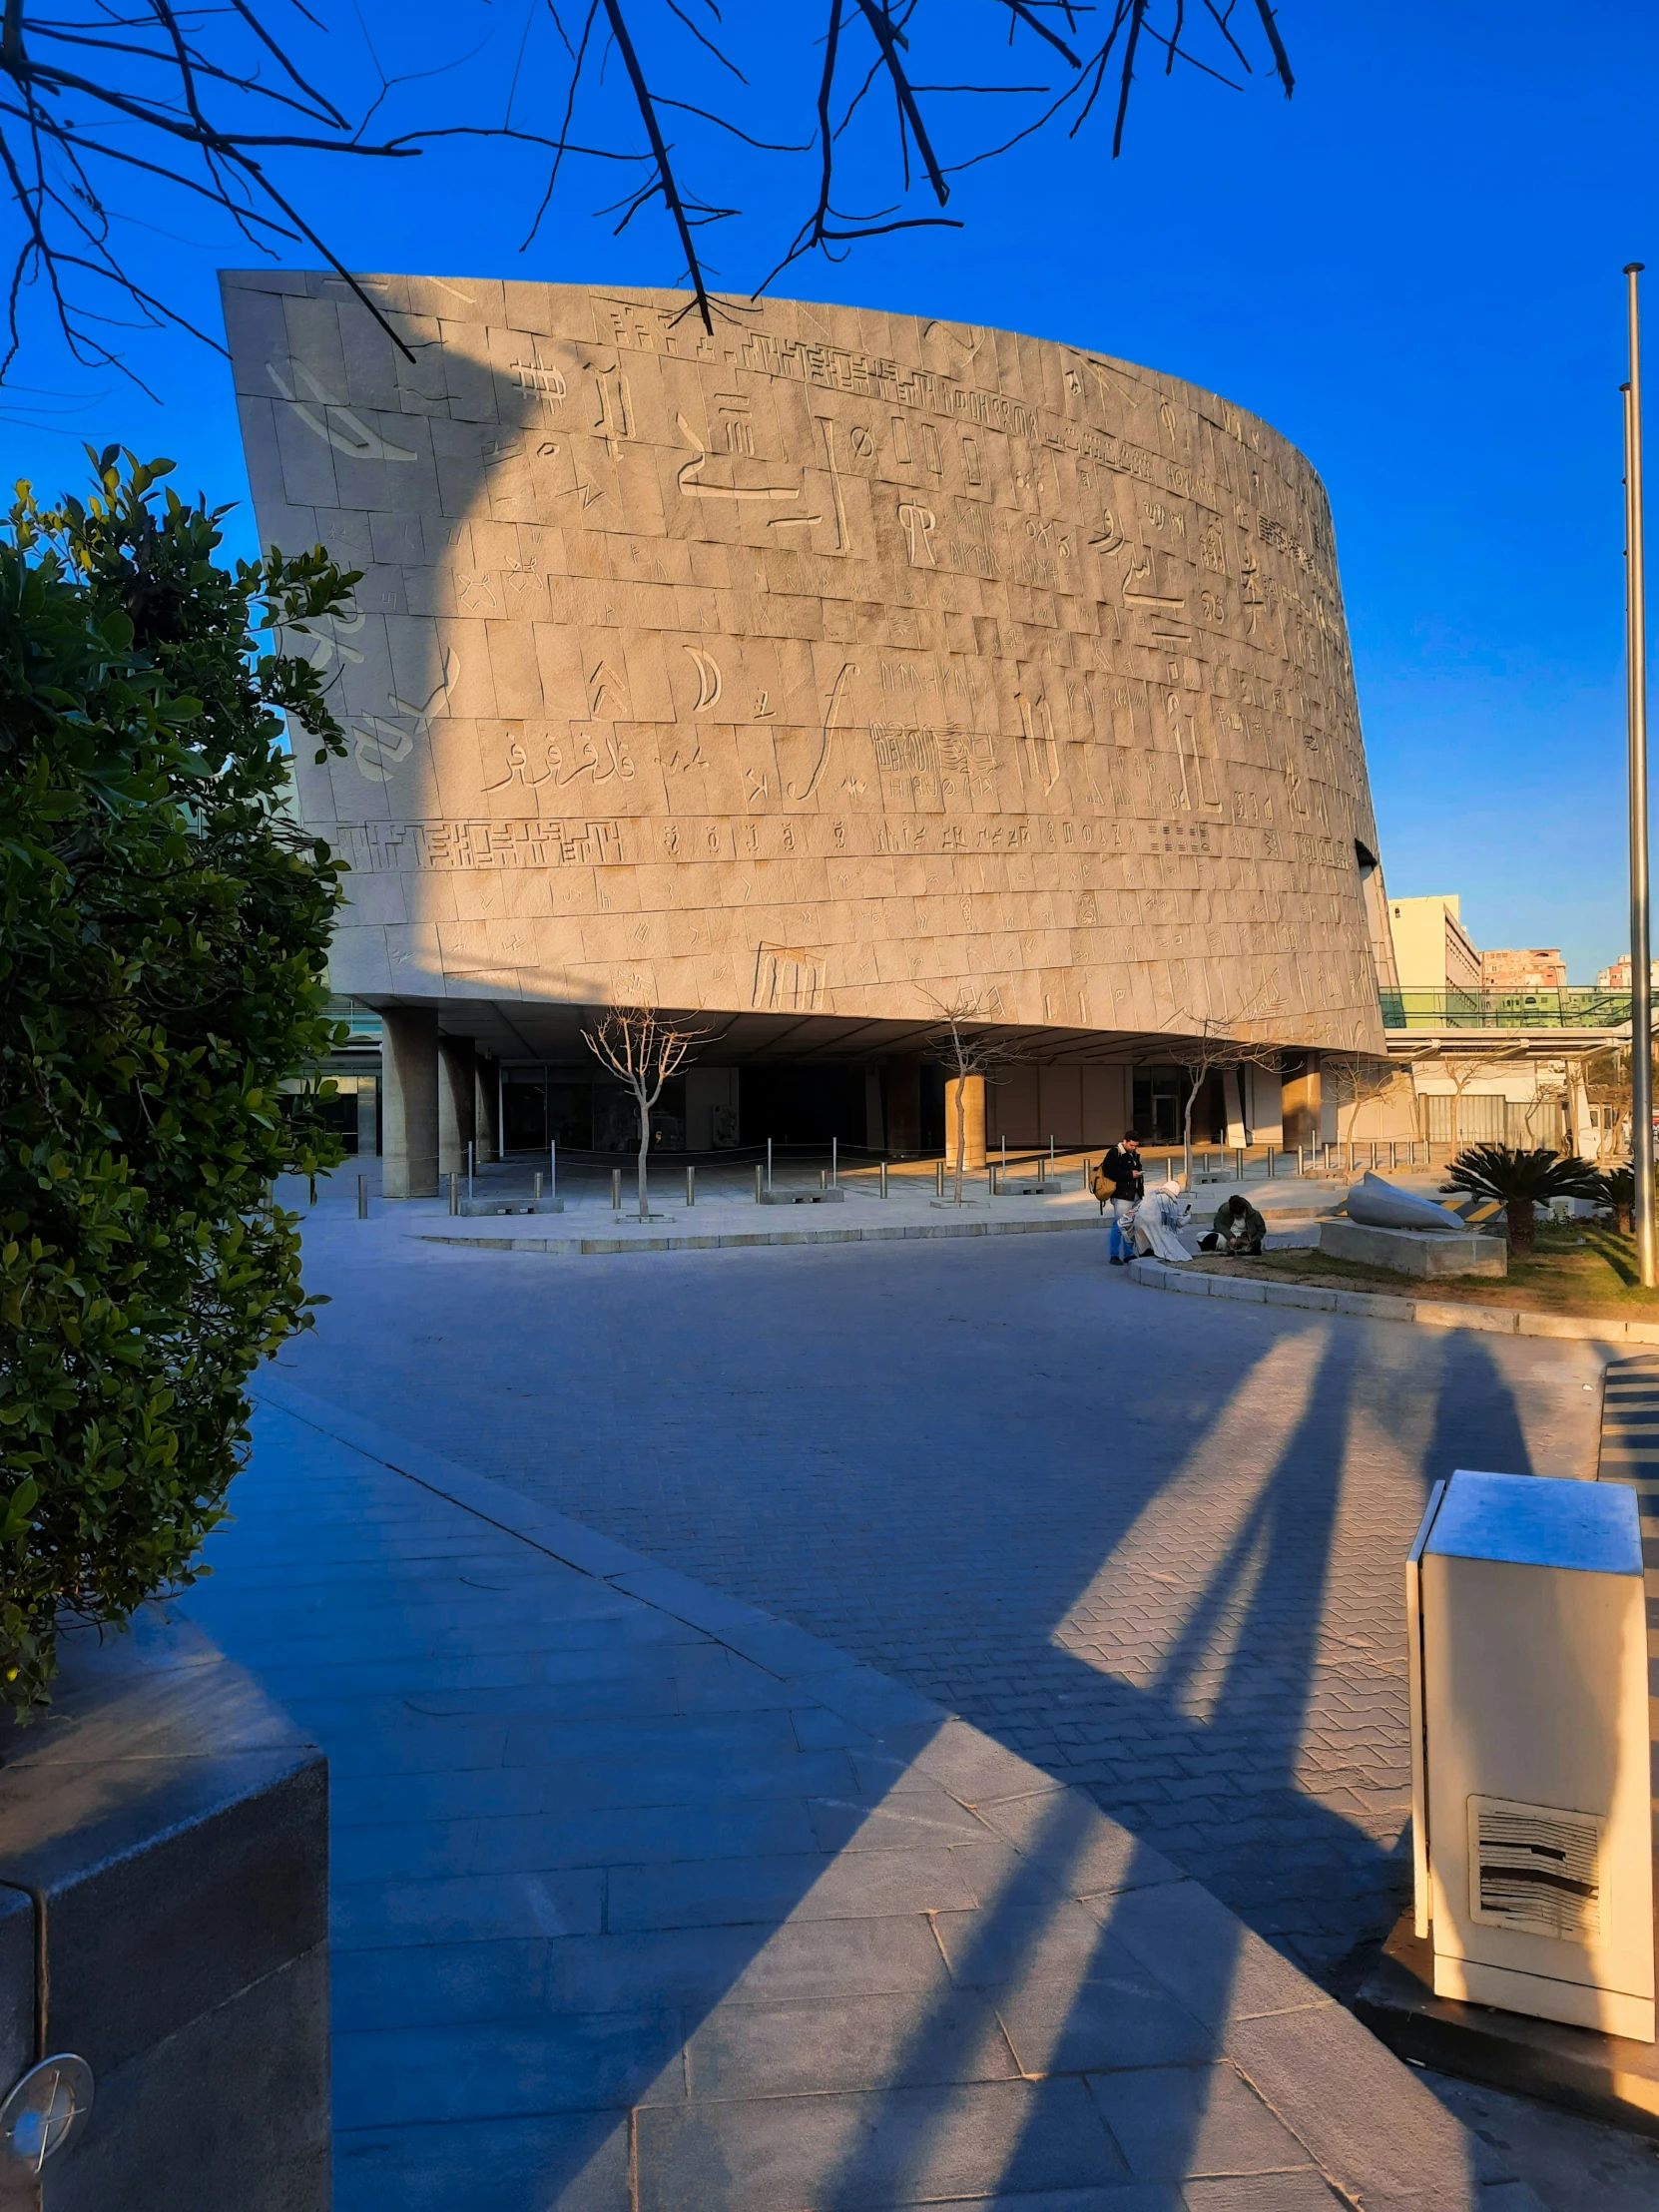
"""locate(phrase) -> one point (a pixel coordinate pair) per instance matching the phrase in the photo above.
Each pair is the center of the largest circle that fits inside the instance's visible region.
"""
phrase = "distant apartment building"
(1432, 949)
(1540, 968)
(1617, 977)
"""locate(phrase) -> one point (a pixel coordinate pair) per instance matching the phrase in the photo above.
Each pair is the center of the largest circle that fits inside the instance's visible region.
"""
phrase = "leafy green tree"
(1522, 1179)
(164, 927)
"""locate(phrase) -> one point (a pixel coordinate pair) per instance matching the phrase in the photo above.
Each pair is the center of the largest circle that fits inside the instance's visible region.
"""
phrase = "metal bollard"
(938, 1178)
(834, 1163)
(471, 1157)
(769, 1162)
(1240, 1154)
(1272, 1170)
(553, 1169)
(454, 1192)
(362, 1198)
(823, 1179)
(691, 1186)
(616, 1190)
(760, 1181)
(535, 1192)
(1300, 1164)
(1051, 1147)
(883, 1178)
(1042, 1170)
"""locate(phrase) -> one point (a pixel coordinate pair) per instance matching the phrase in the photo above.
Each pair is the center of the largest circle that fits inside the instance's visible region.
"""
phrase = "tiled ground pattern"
(1152, 1545)
(647, 1903)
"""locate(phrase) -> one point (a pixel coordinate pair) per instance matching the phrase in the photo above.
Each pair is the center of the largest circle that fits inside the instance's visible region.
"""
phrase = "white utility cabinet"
(1531, 1794)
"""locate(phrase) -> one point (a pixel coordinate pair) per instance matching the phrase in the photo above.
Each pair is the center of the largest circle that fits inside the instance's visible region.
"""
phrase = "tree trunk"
(1521, 1227)
(645, 1146)
(961, 1126)
(1186, 1134)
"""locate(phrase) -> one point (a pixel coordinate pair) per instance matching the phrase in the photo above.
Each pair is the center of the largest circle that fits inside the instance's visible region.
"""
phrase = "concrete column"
(456, 1088)
(409, 1101)
(1237, 1115)
(1301, 1100)
(902, 1079)
(486, 1108)
(973, 1088)
(876, 1121)
(368, 1117)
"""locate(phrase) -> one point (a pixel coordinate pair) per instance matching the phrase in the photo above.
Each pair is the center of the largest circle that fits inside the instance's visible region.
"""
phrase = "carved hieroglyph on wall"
(822, 666)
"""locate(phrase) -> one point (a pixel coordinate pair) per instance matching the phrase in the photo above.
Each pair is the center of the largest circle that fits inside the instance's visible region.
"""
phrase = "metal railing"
(1574, 1006)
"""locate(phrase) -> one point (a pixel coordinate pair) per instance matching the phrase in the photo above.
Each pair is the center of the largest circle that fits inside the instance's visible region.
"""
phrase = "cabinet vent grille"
(1535, 1869)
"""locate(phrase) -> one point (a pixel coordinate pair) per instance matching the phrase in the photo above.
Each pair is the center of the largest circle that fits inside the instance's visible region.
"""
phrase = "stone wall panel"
(840, 662)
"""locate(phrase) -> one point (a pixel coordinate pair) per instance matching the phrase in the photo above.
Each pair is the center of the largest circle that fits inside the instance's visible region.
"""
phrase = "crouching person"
(1238, 1229)
(1159, 1222)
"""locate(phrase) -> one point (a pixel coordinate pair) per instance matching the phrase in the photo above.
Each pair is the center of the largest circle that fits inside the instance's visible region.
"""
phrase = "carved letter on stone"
(346, 432)
(707, 679)
(919, 532)
(849, 668)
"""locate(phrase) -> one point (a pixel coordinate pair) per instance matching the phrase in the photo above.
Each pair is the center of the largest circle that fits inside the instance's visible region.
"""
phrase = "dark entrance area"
(584, 1112)
(802, 1105)
(932, 1106)
(1161, 1106)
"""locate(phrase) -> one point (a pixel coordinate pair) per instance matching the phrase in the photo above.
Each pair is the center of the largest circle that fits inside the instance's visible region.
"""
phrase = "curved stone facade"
(822, 670)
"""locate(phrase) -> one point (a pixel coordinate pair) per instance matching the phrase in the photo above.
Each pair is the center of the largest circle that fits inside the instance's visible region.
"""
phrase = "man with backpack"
(1121, 1181)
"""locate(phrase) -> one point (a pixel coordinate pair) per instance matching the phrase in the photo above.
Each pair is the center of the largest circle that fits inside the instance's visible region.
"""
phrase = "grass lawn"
(1586, 1269)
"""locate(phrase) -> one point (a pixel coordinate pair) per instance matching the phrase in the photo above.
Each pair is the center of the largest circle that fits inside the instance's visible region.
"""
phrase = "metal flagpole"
(1641, 970)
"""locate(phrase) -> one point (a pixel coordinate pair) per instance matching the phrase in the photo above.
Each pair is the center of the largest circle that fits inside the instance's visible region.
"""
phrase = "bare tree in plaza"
(642, 1047)
(1208, 1053)
(111, 115)
(970, 1047)
(1361, 1080)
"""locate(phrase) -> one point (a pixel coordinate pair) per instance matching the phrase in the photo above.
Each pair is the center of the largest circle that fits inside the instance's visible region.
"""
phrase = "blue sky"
(1411, 269)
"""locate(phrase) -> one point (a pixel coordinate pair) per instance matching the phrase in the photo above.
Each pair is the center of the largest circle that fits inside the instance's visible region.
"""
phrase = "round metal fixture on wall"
(44, 2111)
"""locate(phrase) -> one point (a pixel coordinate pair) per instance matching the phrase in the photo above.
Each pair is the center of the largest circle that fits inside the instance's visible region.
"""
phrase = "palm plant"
(1618, 1190)
(1522, 1178)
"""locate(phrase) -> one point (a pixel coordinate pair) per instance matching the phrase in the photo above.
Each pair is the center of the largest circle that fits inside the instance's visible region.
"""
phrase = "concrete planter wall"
(168, 1826)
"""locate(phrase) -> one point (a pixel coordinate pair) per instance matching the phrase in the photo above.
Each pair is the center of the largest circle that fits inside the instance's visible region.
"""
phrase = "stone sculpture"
(1377, 1204)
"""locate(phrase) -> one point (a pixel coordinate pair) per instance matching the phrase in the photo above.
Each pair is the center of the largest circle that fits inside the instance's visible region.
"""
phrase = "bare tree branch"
(107, 101)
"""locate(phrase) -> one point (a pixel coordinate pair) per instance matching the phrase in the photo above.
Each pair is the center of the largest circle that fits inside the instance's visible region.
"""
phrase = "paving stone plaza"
(869, 1725)
(857, 1705)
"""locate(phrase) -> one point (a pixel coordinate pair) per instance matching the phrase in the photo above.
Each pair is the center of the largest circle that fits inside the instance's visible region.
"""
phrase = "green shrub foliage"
(161, 952)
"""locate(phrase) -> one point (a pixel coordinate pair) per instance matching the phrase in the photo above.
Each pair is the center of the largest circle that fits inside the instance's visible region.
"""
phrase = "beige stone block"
(1490, 1320)
(1570, 1326)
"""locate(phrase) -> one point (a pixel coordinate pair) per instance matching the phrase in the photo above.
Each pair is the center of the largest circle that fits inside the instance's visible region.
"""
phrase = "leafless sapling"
(642, 1047)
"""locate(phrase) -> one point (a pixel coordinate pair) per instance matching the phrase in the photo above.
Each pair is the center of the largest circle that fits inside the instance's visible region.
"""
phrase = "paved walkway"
(646, 1901)
(1151, 1544)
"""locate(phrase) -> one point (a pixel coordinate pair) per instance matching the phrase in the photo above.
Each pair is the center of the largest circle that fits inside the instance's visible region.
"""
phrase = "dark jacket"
(1123, 1171)
(1245, 1228)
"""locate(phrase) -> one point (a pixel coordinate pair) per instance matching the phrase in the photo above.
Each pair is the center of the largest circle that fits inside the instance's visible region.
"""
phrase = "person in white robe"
(1158, 1222)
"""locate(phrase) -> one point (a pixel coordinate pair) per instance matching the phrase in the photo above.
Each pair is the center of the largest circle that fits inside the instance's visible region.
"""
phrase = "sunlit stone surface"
(818, 668)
